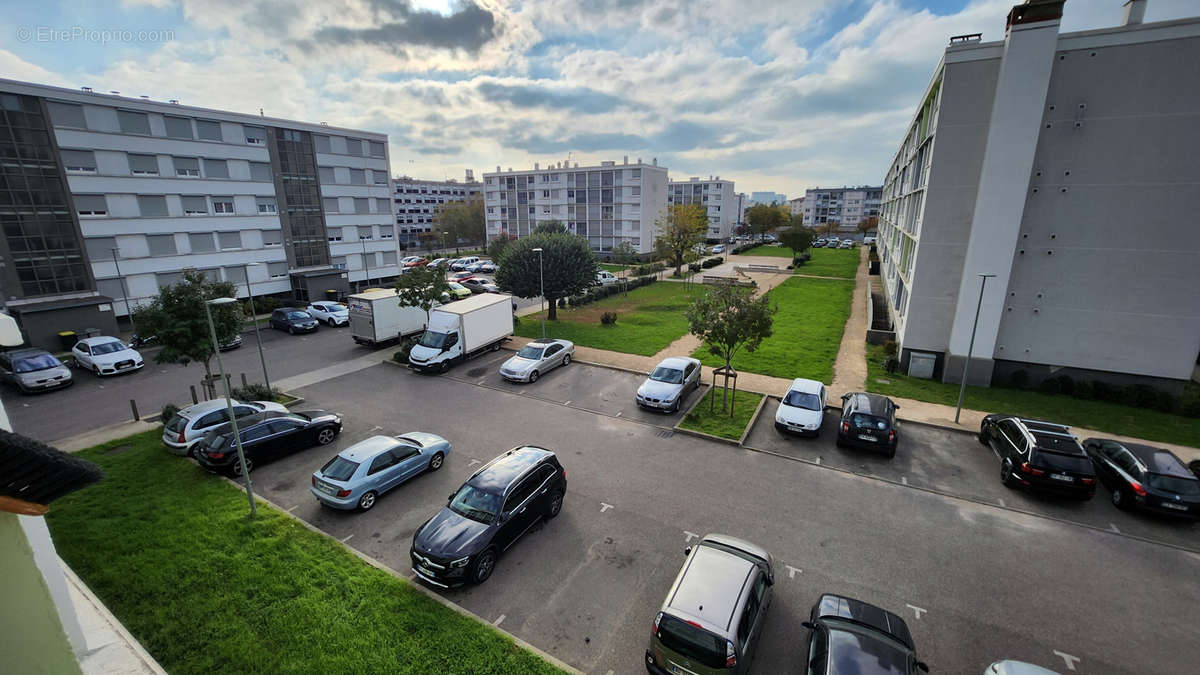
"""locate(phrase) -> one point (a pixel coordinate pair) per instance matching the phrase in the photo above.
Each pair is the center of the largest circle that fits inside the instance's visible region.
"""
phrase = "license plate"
(678, 670)
(123, 366)
(325, 488)
(425, 570)
(866, 437)
(1177, 507)
(1061, 477)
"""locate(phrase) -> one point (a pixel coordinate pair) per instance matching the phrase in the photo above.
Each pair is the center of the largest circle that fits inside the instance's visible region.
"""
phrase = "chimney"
(535, 166)
(639, 160)
(654, 161)
(497, 168)
(625, 159)
(1135, 11)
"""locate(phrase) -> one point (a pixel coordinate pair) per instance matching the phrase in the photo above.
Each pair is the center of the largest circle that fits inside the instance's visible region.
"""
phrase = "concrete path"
(850, 368)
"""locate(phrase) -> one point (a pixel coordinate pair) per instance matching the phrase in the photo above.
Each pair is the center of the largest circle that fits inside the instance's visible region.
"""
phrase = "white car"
(802, 409)
(669, 384)
(332, 313)
(106, 356)
(605, 278)
(190, 424)
(536, 358)
(487, 267)
(719, 248)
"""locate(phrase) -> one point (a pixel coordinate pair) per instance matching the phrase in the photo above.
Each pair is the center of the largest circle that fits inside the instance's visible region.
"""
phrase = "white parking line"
(293, 508)
(1114, 529)
(473, 462)
(498, 620)
(1068, 659)
(376, 428)
(690, 535)
(618, 413)
(604, 507)
(904, 480)
(792, 571)
(347, 538)
(483, 381)
(567, 403)
(916, 610)
(1001, 500)
(818, 461)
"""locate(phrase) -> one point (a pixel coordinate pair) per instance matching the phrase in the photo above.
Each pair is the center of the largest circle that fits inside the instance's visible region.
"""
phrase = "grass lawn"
(807, 331)
(773, 251)
(169, 549)
(825, 262)
(648, 320)
(613, 267)
(720, 423)
(1109, 417)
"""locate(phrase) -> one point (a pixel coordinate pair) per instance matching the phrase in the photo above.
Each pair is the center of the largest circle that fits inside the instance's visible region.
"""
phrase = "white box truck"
(463, 329)
(376, 317)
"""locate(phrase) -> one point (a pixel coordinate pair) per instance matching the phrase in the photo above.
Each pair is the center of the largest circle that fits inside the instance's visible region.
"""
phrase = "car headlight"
(461, 562)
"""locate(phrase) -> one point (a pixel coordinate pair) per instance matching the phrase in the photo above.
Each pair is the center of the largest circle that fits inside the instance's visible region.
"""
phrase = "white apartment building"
(1064, 166)
(608, 203)
(716, 196)
(163, 187)
(846, 206)
(796, 206)
(418, 200)
(767, 197)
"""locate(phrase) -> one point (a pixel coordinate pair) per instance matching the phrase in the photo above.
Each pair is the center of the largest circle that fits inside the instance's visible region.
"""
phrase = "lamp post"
(366, 265)
(445, 237)
(254, 317)
(124, 292)
(962, 390)
(542, 288)
(237, 438)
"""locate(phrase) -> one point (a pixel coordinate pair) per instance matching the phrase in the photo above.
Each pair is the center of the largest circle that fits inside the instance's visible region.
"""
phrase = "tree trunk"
(209, 386)
(552, 311)
(725, 389)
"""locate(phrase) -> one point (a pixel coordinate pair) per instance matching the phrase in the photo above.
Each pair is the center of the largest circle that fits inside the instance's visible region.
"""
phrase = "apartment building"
(767, 198)
(608, 203)
(743, 203)
(845, 206)
(796, 206)
(418, 200)
(717, 198)
(109, 198)
(1064, 166)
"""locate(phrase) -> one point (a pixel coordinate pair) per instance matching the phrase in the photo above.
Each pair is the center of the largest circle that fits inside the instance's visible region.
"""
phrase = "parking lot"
(976, 581)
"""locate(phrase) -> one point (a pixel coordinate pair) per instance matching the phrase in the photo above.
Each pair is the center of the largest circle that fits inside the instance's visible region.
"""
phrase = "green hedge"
(601, 292)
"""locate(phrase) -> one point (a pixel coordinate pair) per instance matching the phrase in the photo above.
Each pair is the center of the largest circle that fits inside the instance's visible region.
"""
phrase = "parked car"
(605, 278)
(476, 267)
(440, 262)
(487, 515)
(293, 320)
(332, 313)
(357, 476)
(265, 436)
(457, 292)
(406, 260)
(461, 276)
(719, 248)
(486, 267)
(713, 615)
(819, 243)
(868, 421)
(832, 243)
(1145, 478)
(1039, 455)
(802, 408)
(416, 261)
(870, 239)
(669, 383)
(846, 243)
(536, 359)
(31, 370)
(477, 285)
(189, 424)
(105, 355)
(233, 343)
(1009, 667)
(461, 263)
(844, 634)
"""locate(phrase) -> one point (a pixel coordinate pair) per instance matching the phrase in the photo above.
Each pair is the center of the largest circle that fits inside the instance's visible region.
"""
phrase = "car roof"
(25, 353)
(498, 474)
(871, 404)
(710, 587)
(99, 340)
(205, 407)
(368, 448)
(290, 309)
(806, 386)
(831, 606)
(546, 343)
(254, 420)
(1158, 460)
(679, 362)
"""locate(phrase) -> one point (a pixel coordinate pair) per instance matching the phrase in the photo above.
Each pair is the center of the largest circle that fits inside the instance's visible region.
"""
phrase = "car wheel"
(567, 359)
(96, 370)
(1119, 499)
(237, 467)
(329, 322)
(435, 462)
(533, 377)
(555, 505)
(366, 501)
(325, 436)
(444, 367)
(675, 407)
(292, 330)
(1006, 475)
(983, 434)
(839, 442)
(485, 564)
(891, 453)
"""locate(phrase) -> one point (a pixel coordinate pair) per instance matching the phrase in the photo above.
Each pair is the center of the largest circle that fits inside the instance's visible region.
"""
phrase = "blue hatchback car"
(358, 475)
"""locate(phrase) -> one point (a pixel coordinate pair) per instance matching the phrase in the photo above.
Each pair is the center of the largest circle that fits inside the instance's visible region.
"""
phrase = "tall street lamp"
(124, 292)
(254, 316)
(542, 288)
(237, 437)
(962, 390)
(366, 265)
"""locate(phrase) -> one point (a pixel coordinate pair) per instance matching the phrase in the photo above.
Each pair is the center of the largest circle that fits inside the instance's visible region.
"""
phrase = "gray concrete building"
(845, 206)
(1064, 164)
(715, 196)
(417, 202)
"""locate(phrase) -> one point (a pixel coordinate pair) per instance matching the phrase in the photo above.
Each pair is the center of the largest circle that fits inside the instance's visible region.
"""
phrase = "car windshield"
(339, 468)
(298, 315)
(852, 652)
(691, 642)
(801, 399)
(861, 421)
(455, 286)
(31, 363)
(108, 347)
(433, 340)
(475, 504)
(530, 352)
(176, 423)
(214, 441)
(1179, 485)
(668, 375)
(335, 307)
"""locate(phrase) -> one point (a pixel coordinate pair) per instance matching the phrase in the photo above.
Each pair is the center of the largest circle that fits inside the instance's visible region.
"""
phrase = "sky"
(780, 96)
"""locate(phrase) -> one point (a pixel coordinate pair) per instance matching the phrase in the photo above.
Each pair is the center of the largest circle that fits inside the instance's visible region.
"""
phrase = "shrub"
(1103, 391)
(1145, 396)
(1083, 390)
(1189, 405)
(889, 347)
(401, 355)
(1049, 386)
(168, 412)
(694, 267)
(1019, 379)
(254, 392)
(608, 318)
(266, 304)
(891, 365)
(562, 303)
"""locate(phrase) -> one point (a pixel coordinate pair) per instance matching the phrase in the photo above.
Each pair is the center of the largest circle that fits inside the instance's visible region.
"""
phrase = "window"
(230, 240)
(403, 452)
(331, 204)
(383, 205)
(381, 462)
(321, 142)
(223, 205)
(380, 177)
(216, 168)
(338, 261)
(389, 257)
(178, 127)
(152, 206)
(208, 131)
(377, 149)
(133, 122)
(358, 177)
(143, 165)
(386, 231)
(260, 171)
(266, 204)
(635, 174)
(91, 205)
(100, 248)
(201, 242)
(255, 135)
(335, 235)
(365, 232)
(362, 205)
(236, 274)
(164, 279)
(325, 173)
(272, 237)
(187, 167)
(161, 244)
(110, 287)
(83, 161)
(277, 269)
(66, 115)
(194, 205)
(354, 147)
(636, 190)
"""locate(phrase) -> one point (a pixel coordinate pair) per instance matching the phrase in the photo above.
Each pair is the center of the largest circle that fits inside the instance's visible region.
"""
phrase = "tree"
(762, 218)
(568, 267)
(680, 233)
(176, 317)
(463, 220)
(550, 227)
(428, 242)
(729, 319)
(422, 287)
(797, 238)
(495, 247)
(868, 224)
(831, 227)
(624, 254)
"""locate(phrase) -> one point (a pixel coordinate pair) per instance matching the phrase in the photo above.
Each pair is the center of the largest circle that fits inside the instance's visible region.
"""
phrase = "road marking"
(1114, 529)
(25, 405)
(904, 480)
(618, 413)
(347, 538)
(609, 673)
(1001, 500)
(604, 507)
(100, 385)
(1068, 659)
(498, 620)
(293, 508)
(916, 610)
(567, 403)
(818, 460)
(483, 381)
(690, 535)
(792, 571)
(375, 428)
(473, 462)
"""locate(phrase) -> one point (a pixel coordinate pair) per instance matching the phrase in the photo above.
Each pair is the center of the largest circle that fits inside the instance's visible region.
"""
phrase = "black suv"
(868, 421)
(1039, 455)
(1145, 477)
(293, 320)
(266, 436)
(489, 513)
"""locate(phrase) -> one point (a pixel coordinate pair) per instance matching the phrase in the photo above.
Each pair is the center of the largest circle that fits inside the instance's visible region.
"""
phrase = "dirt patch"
(119, 450)
(591, 313)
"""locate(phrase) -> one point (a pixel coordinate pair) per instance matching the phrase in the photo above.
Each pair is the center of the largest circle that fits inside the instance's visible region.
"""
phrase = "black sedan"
(293, 320)
(850, 636)
(266, 436)
(1043, 456)
(1144, 477)
(868, 421)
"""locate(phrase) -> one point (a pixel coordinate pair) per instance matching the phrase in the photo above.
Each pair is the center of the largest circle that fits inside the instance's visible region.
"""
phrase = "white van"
(605, 278)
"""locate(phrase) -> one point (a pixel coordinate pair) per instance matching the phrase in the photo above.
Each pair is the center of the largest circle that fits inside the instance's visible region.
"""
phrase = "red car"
(461, 276)
(415, 261)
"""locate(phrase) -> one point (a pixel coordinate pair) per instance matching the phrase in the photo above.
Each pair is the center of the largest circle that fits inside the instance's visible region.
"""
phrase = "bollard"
(194, 399)
(244, 385)
(133, 405)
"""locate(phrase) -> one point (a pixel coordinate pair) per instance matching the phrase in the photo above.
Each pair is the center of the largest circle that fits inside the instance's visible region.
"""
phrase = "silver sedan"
(536, 358)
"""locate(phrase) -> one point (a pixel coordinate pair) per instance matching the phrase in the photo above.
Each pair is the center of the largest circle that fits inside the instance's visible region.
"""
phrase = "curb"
(678, 428)
(753, 419)
(115, 625)
(112, 432)
(291, 404)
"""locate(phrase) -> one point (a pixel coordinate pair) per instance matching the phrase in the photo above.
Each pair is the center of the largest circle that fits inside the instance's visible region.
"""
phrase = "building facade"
(717, 198)
(796, 206)
(608, 203)
(417, 202)
(152, 188)
(845, 206)
(1063, 166)
(767, 198)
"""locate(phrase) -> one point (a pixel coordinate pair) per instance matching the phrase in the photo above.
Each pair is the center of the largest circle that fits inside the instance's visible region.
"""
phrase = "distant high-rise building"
(767, 198)
(417, 202)
(844, 206)
(716, 196)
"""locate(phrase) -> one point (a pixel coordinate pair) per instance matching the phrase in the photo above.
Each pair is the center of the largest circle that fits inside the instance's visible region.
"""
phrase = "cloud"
(469, 28)
(557, 97)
